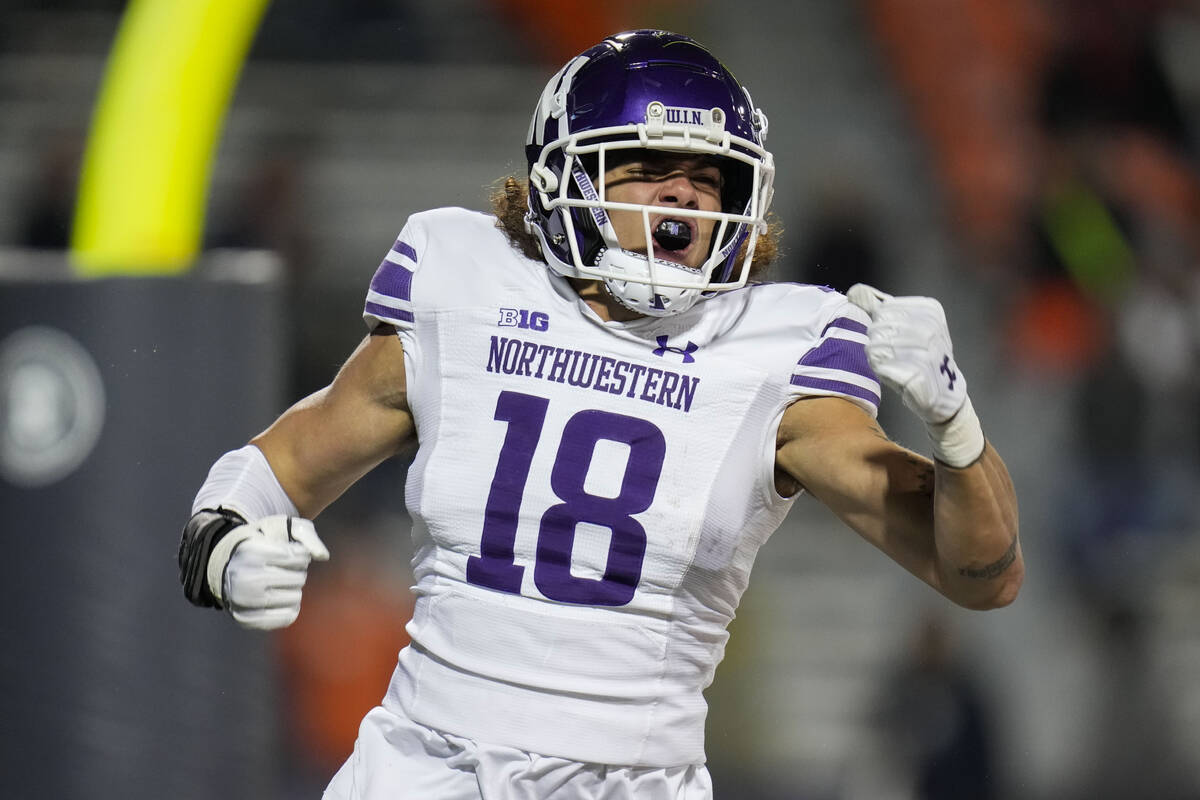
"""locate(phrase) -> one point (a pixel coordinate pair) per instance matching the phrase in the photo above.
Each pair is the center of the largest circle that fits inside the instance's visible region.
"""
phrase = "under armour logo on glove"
(686, 351)
(948, 372)
(904, 340)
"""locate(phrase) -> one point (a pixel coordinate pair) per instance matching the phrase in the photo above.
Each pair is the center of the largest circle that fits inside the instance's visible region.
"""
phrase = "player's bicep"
(324, 443)
(836, 451)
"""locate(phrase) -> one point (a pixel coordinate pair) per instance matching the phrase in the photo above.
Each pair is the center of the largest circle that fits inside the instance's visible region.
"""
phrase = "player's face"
(671, 181)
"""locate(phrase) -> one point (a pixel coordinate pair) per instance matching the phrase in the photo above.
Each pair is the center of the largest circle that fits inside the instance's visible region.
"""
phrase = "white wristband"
(958, 441)
(242, 481)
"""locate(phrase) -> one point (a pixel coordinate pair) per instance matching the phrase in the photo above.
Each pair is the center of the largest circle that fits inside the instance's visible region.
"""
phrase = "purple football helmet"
(649, 90)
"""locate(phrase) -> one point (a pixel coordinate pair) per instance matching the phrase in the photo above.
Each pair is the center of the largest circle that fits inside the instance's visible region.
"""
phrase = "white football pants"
(397, 759)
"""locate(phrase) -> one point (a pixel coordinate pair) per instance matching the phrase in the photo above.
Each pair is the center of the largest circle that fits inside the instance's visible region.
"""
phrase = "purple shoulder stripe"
(405, 249)
(393, 280)
(383, 312)
(846, 324)
(840, 387)
(839, 354)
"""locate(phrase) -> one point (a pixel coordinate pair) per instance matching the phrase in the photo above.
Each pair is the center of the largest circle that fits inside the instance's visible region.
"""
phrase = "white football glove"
(908, 346)
(257, 570)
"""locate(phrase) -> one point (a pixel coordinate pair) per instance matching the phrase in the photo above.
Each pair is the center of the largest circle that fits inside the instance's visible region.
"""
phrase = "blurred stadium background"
(1032, 163)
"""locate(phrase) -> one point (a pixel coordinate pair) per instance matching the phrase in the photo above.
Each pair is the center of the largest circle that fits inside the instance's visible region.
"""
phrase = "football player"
(613, 414)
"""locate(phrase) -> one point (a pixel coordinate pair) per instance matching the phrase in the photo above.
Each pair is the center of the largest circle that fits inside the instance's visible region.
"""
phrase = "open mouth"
(673, 239)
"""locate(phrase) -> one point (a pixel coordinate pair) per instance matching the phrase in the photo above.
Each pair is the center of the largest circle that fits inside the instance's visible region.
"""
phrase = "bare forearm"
(975, 529)
(955, 529)
(313, 464)
(327, 441)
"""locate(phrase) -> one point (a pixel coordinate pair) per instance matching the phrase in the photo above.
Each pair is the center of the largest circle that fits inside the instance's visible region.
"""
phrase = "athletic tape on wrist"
(242, 481)
(958, 442)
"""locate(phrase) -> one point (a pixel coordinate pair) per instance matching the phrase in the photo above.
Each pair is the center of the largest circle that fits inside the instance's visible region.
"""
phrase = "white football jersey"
(588, 497)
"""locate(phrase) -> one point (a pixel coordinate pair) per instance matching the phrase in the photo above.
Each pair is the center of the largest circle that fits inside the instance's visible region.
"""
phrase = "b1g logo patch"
(523, 318)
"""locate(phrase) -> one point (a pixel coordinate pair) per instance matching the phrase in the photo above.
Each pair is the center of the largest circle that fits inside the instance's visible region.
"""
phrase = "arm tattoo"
(922, 468)
(996, 567)
(923, 473)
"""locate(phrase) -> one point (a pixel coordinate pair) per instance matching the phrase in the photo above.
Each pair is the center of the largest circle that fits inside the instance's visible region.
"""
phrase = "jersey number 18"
(496, 568)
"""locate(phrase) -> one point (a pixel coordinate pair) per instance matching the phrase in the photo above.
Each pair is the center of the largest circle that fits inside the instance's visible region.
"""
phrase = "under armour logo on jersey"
(685, 351)
(949, 372)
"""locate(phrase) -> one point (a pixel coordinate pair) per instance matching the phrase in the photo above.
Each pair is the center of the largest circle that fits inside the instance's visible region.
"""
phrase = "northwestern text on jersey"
(591, 371)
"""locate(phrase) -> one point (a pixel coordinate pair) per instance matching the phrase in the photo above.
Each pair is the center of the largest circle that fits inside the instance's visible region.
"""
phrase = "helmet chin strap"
(645, 298)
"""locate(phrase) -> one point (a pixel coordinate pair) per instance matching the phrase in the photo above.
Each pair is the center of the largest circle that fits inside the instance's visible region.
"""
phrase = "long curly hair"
(510, 197)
